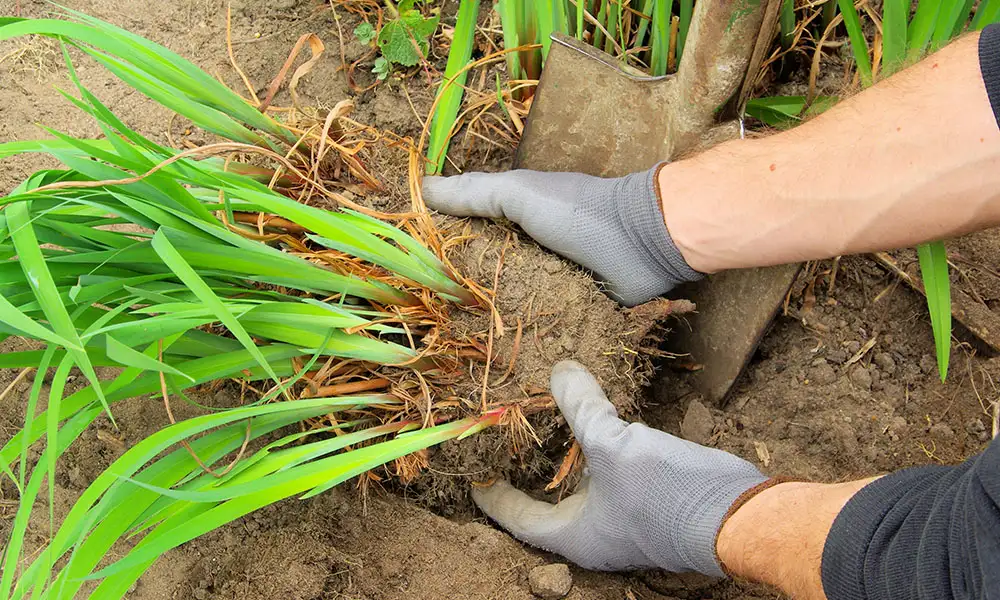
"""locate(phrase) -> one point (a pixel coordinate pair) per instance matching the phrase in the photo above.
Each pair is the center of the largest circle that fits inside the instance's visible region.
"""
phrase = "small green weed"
(404, 40)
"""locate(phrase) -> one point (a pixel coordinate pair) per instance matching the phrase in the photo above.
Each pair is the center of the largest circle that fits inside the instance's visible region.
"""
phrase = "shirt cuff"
(989, 65)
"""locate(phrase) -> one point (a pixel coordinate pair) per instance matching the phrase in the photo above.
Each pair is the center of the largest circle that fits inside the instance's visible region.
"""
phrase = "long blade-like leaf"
(922, 27)
(987, 12)
(185, 273)
(314, 476)
(121, 353)
(33, 264)
(937, 287)
(452, 87)
(859, 44)
(659, 45)
(895, 14)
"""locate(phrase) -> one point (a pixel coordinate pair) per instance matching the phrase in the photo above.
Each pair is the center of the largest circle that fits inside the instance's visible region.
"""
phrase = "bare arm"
(913, 159)
(778, 536)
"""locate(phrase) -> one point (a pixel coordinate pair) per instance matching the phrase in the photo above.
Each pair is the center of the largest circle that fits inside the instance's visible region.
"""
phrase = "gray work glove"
(614, 227)
(648, 499)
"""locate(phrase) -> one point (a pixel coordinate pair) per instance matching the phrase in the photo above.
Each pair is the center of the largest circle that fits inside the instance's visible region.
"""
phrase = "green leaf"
(546, 17)
(131, 503)
(659, 46)
(937, 287)
(513, 29)
(962, 22)
(40, 279)
(381, 68)
(11, 316)
(859, 44)
(922, 27)
(452, 87)
(29, 415)
(951, 16)
(306, 480)
(365, 32)
(895, 14)
(987, 12)
(686, 14)
(786, 22)
(786, 111)
(185, 273)
(127, 356)
(405, 41)
(643, 28)
(602, 17)
(68, 433)
(133, 382)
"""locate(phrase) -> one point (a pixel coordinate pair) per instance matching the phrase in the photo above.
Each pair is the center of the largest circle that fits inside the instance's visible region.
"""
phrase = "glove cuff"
(697, 536)
(641, 211)
(738, 504)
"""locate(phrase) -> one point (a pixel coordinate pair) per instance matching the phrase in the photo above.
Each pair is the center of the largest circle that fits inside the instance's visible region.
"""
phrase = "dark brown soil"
(809, 405)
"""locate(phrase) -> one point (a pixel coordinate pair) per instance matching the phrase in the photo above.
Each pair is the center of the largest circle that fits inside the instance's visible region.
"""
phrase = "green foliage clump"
(132, 256)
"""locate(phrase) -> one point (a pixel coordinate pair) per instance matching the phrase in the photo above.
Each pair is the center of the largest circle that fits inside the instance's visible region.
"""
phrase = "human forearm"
(915, 158)
(778, 536)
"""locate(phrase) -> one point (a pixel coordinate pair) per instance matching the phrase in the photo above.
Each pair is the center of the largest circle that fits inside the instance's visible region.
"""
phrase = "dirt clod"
(837, 357)
(552, 266)
(942, 431)
(822, 374)
(680, 585)
(898, 426)
(861, 378)
(978, 429)
(550, 582)
(885, 362)
(698, 423)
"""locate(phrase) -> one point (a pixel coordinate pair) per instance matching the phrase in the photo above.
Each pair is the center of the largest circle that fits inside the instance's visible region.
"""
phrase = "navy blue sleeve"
(989, 65)
(921, 533)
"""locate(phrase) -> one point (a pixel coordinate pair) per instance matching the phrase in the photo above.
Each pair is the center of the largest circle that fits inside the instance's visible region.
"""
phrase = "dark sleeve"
(921, 533)
(989, 65)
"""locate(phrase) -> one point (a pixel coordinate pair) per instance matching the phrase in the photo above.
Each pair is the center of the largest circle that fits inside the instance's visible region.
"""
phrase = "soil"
(844, 385)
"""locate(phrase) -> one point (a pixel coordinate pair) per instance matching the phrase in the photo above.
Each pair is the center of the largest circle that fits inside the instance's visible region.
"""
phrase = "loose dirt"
(844, 385)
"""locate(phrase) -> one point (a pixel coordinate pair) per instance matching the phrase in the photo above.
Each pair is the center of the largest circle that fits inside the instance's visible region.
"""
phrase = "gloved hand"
(648, 499)
(614, 227)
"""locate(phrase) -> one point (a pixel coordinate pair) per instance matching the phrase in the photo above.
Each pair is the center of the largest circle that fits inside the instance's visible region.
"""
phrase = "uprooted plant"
(190, 268)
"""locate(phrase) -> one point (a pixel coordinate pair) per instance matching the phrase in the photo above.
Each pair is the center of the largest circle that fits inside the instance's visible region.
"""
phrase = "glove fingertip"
(548, 526)
(466, 195)
(567, 373)
(438, 191)
(583, 403)
(485, 496)
(574, 386)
